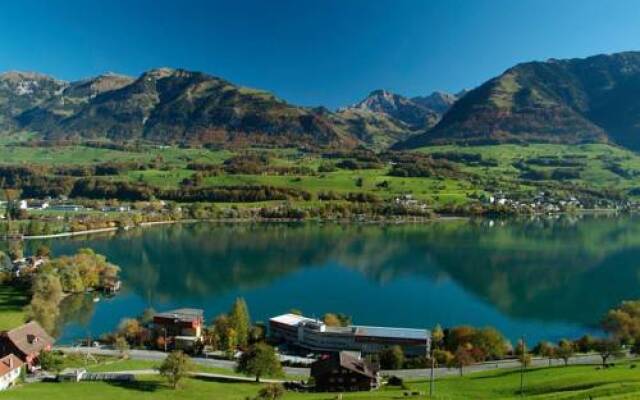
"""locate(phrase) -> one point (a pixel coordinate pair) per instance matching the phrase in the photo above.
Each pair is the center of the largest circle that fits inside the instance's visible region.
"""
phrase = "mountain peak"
(417, 112)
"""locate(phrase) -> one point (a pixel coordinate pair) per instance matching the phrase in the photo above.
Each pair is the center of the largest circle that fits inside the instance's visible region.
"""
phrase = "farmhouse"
(10, 367)
(344, 372)
(26, 342)
(315, 335)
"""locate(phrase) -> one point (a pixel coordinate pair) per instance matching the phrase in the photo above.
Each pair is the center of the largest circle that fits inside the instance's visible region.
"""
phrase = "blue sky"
(322, 52)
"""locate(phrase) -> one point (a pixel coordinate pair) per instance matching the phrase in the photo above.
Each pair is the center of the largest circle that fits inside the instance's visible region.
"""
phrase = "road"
(153, 355)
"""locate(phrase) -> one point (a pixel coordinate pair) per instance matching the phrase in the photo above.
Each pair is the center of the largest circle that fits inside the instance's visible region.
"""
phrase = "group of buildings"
(341, 366)
(20, 348)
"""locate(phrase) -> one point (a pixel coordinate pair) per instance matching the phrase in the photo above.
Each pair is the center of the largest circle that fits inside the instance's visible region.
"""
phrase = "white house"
(10, 367)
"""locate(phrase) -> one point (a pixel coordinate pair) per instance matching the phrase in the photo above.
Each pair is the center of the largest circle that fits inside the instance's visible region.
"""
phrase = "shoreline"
(416, 220)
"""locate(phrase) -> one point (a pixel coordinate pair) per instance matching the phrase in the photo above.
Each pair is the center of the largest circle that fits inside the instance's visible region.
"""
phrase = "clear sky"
(321, 52)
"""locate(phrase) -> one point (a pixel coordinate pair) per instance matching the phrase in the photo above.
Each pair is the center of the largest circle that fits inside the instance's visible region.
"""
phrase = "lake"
(543, 277)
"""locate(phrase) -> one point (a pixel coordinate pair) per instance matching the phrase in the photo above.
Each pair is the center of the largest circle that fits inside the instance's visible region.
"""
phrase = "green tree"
(392, 358)
(147, 316)
(608, 348)
(50, 361)
(71, 280)
(175, 367)
(240, 321)
(260, 360)
(565, 350)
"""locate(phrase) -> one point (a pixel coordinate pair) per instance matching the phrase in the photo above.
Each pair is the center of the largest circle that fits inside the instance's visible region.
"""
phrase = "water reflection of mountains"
(546, 269)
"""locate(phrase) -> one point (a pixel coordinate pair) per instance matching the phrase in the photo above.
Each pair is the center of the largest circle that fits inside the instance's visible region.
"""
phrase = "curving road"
(153, 355)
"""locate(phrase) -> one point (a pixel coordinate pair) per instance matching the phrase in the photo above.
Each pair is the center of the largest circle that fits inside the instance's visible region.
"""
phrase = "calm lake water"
(543, 278)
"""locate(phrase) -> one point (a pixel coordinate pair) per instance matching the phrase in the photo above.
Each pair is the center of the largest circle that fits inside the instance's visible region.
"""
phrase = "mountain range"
(594, 99)
(177, 106)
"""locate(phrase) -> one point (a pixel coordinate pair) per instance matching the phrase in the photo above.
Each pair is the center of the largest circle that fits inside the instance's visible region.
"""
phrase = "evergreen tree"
(240, 322)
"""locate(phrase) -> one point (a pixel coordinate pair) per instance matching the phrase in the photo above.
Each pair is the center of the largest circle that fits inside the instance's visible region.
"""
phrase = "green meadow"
(557, 383)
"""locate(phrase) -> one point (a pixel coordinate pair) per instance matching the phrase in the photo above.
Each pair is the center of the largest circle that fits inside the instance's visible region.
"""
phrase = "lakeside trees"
(66, 275)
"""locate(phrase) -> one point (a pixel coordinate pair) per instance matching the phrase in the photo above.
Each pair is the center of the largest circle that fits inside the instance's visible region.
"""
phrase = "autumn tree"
(624, 322)
(462, 358)
(122, 346)
(565, 350)
(491, 342)
(437, 336)
(43, 251)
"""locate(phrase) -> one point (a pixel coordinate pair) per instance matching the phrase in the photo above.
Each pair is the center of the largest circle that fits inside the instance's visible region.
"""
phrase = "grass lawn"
(557, 383)
(600, 167)
(12, 303)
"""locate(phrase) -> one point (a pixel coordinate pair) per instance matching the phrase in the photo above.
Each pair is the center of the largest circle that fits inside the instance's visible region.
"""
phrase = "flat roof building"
(315, 335)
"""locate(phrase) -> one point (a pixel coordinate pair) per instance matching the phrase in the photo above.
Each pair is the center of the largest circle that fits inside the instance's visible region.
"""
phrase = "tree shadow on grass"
(140, 386)
(218, 379)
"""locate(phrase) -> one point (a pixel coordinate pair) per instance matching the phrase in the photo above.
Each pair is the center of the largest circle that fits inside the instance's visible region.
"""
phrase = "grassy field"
(12, 303)
(557, 383)
(599, 166)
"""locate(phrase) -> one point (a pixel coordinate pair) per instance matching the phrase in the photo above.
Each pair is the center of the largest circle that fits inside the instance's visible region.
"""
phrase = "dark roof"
(29, 338)
(182, 314)
(344, 360)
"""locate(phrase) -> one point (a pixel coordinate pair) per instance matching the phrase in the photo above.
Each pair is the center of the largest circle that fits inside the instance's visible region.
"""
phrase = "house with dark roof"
(344, 372)
(25, 342)
(180, 329)
(10, 367)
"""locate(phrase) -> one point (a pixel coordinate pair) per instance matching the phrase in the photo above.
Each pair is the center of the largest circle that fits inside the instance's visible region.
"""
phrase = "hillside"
(557, 101)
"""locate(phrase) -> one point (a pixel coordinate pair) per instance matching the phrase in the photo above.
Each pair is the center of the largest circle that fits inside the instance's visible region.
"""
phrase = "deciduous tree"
(392, 358)
(175, 367)
(260, 360)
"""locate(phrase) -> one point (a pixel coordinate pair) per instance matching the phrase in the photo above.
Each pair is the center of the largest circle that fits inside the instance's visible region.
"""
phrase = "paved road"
(204, 375)
(303, 372)
(152, 355)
